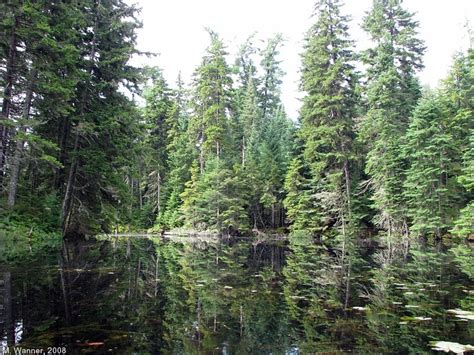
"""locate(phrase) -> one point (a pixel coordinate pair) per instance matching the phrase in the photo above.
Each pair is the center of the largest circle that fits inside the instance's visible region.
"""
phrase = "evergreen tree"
(100, 129)
(156, 112)
(212, 199)
(298, 202)
(274, 155)
(212, 99)
(320, 181)
(431, 192)
(392, 92)
(180, 156)
(269, 91)
(464, 225)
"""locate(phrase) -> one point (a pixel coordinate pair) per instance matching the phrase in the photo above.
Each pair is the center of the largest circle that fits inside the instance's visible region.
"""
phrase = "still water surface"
(150, 297)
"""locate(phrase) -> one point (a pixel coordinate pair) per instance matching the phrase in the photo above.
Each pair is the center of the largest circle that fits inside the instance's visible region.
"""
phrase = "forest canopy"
(90, 143)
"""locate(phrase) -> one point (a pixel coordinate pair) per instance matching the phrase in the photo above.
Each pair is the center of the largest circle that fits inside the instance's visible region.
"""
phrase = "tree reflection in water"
(150, 296)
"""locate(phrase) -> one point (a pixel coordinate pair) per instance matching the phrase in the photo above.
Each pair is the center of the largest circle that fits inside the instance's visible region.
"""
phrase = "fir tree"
(325, 167)
(430, 190)
(392, 92)
(464, 225)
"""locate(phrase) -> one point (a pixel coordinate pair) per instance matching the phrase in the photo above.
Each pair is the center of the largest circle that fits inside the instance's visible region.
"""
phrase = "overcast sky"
(175, 30)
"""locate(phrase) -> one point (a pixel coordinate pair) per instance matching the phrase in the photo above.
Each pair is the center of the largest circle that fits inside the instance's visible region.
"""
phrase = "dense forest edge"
(91, 144)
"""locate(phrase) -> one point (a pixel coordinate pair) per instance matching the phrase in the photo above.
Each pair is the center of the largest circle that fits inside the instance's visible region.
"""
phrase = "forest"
(373, 152)
(348, 229)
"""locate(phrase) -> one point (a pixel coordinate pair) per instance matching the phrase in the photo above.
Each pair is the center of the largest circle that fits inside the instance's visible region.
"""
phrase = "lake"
(234, 297)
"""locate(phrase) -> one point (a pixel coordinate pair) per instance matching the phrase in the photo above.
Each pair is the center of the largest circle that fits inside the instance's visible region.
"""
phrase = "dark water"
(149, 297)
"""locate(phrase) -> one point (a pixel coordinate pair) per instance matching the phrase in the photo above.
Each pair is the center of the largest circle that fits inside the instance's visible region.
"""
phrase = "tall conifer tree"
(324, 170)
(392, 92)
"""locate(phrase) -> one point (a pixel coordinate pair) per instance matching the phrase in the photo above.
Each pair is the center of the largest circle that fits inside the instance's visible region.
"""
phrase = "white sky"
(175, 30)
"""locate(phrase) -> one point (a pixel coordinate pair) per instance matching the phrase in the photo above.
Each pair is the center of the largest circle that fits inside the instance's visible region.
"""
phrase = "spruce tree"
(213, 197)
(464, 225)
(180, 156)
(269, 91)
(101, 128)
(392, 92)
(156, 112)
(324, 170)
(430, 189)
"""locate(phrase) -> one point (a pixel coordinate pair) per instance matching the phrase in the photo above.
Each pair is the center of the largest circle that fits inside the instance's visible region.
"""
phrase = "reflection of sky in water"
(293, 351)
(18, 331)
(243, 294)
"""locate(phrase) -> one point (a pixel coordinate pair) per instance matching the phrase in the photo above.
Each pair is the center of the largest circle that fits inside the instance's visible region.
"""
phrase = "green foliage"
(30, 231)
(215, 200)
(223, 155)
(430, 190)
(392, 92)
(464, 225)
(320, 181)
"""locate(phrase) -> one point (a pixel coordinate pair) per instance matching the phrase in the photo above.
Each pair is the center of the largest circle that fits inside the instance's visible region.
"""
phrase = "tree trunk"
(158, 192)
(15, 170)
(7, 93)
(67, 201)
(273, 215)
(243, 152)
(66, 208)
(63, 137)
(8, 304)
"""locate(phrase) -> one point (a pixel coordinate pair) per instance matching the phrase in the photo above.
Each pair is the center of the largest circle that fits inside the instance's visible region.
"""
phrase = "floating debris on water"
(459, 313)
(447, 346)
(298, 297)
